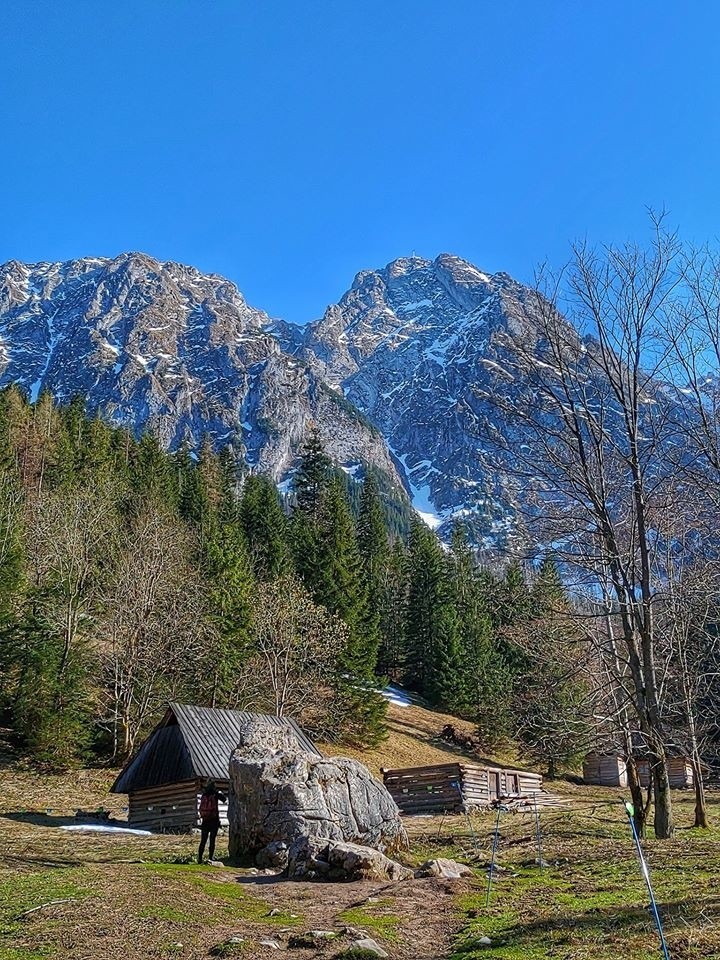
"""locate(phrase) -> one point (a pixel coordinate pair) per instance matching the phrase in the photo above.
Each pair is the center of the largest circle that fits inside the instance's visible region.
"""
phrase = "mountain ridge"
(392, 374)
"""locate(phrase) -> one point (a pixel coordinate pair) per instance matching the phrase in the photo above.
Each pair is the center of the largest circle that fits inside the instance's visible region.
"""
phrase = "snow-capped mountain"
(416, 346)
(397, 375)
(165, 346)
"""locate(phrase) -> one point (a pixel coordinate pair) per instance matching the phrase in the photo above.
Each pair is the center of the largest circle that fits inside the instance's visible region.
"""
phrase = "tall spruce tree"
(372, 538)
(266, 529)
(432, 634)
(392, 656)
(311, 486)
(342, 587)
(482, 686)
(552, 706)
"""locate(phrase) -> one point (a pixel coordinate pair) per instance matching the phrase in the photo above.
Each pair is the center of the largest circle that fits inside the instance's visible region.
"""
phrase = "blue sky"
(288, 145)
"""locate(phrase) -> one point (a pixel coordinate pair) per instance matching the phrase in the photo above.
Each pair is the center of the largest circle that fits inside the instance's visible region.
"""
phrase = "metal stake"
(466, 809)
(538, 834)
(492, 858)
(630, 810)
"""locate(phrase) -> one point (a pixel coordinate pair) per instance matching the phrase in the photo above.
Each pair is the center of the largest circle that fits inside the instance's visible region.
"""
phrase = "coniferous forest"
(131, 577)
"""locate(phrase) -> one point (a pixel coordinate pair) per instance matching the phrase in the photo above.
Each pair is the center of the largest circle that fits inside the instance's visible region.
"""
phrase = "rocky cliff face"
(162, 345)
(416, 346)
(399, 374)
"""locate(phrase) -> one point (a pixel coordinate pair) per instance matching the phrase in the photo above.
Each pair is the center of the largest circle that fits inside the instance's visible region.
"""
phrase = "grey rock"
(418, 347)
(342, 861)
(275, 854)
(441, 867)
(399, 375)
(367, 943)
(278, 793)
(160, 345)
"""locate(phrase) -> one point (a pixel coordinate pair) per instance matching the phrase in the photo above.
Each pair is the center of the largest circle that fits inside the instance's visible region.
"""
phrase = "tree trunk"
(636, 793)
(663, 820)
(701, 816)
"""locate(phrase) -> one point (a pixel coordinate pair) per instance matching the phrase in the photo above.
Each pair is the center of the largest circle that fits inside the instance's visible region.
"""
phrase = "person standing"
(209, 812)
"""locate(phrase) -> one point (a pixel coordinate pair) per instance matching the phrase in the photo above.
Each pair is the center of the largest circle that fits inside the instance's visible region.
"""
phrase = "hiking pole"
(630, 810)
(491, 871)
(538, 834)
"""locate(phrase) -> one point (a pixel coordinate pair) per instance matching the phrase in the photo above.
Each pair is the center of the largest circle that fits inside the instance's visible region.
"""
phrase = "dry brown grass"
(413, 740)
(127, 899)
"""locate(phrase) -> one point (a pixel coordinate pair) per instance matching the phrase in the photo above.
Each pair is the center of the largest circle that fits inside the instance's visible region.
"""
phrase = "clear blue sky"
(290, 143)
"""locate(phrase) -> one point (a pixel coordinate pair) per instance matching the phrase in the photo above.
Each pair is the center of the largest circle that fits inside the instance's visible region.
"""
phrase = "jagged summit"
(162, 345)
(413, 345)
(393, 374)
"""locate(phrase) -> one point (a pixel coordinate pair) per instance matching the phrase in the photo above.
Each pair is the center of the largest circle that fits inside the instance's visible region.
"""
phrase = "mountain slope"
(415, 346)
(161, 345)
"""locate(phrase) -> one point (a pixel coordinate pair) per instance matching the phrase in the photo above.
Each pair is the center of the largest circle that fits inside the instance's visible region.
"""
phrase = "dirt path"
(128, 897)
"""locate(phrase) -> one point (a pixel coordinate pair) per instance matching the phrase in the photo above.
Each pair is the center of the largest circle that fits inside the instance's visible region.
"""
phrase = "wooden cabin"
(457, 787)
(610, 770)
(190, 745)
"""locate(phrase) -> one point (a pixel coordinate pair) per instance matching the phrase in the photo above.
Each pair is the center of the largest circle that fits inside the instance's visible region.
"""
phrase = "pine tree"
(341, 587)
(432, 627)
(552, 708)
(152, 475)
(392, 656)
(266, 528)
(372, 539)
(231, 584)
(312, 478)
(481, 689)
(311, 485)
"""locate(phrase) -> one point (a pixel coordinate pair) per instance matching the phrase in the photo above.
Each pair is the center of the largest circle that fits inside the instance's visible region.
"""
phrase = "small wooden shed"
(457, 787)
(165, 777)
(610, 770)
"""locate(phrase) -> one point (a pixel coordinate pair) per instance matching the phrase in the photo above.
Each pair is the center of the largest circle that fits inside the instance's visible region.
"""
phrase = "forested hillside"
(131, 576)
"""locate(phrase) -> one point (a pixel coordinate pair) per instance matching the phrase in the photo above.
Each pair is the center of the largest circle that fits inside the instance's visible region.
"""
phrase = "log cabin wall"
(455, 787)
(172, 806)
(608, 770)
(680, 772)
(434, 789)
(604, 770)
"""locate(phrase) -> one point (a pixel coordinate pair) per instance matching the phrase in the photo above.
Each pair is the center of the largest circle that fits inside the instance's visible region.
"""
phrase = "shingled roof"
(194, 742)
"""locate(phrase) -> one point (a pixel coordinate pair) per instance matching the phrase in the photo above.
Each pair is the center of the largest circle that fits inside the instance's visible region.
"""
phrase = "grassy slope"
(124, 901)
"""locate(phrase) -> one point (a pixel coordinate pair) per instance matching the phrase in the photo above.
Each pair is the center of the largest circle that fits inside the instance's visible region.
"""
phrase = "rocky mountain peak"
(158, 344)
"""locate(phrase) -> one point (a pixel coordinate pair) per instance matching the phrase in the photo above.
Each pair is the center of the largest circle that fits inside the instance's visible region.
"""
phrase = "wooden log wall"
(608, 770)
(454, 787)
(604, 770)
(433, 789)
(172, 806)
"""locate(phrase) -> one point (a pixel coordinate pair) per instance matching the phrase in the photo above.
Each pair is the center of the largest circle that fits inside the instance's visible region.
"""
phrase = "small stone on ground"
(367, 943)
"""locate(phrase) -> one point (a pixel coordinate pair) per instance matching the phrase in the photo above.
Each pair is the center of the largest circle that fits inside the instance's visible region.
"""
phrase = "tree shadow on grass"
(629, 920)
(39, 818)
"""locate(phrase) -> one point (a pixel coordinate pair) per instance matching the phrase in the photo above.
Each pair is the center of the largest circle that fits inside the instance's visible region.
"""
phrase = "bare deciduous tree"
(595, 451)
(296, 645)
(155, 643)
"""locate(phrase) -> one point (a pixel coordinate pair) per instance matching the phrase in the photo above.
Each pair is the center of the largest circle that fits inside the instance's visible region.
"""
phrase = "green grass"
(221, 886)
(23, 891)
(21, 953)
(374, 918)
(594, 903)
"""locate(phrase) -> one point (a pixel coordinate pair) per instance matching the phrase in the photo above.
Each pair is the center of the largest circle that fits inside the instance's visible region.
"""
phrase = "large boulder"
(278, 792)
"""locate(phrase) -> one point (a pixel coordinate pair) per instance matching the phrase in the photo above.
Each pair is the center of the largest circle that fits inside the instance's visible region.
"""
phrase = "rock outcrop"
(312, 858)
(278, 793)
(159, 346)
(448, 869)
